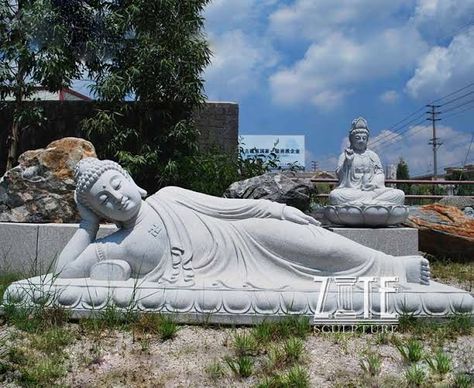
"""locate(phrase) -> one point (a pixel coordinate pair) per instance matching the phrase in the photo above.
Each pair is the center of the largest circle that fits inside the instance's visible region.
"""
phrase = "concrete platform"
(30, 249)
(394, 241)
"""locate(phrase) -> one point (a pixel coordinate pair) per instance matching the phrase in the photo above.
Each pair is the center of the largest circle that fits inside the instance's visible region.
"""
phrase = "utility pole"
(434, 141)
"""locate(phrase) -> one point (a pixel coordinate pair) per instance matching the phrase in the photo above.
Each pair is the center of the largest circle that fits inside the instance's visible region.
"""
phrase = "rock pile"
(444, 231)
(40, 188)
(285, 187)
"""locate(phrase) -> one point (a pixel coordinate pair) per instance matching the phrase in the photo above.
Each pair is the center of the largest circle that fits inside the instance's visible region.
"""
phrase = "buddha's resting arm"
(232, 209)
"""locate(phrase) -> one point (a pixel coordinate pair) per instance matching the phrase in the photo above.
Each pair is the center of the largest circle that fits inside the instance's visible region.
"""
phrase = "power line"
(458, 106)
(393, 134)
(457, 98)
(458, 113)
(446, 165)
(394, 131)
(453, 93)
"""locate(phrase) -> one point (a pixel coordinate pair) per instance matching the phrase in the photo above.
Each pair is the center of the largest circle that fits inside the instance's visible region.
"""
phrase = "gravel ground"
(117, 359)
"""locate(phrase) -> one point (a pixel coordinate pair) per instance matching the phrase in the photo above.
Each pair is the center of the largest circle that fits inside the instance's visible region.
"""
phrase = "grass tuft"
(215, 370)
(415, 376)
(241, 366)
(245, 345)
(371, 364)
(167, 328)
(411, 351)
(440, 363)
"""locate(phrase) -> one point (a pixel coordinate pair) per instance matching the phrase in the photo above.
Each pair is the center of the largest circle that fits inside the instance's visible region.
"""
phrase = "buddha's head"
(107, 189)
(359, 134)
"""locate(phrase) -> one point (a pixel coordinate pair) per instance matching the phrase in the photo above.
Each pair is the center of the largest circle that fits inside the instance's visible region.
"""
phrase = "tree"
(37, 48)
(403, 173)
(153, 54)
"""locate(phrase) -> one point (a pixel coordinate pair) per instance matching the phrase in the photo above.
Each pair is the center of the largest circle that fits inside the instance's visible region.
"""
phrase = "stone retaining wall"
(217, 122)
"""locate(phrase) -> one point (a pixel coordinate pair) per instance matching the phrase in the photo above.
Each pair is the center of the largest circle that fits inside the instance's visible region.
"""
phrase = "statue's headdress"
(88, 170)
(359, 125)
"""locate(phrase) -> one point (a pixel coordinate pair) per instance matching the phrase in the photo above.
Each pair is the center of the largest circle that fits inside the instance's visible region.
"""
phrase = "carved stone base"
(366, 215)
(85, 297)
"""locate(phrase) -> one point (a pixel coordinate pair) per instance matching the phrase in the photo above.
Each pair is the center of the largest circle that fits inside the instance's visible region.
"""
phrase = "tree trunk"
(13, 139)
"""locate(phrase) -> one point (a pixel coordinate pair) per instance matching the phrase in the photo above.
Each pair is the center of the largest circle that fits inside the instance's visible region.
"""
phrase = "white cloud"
(241, 51)
(312, 19)
(224, 15)
(390, 97)
(444, 69)
(414, 148)
(237, 65)
(331, 68)
(441, 19)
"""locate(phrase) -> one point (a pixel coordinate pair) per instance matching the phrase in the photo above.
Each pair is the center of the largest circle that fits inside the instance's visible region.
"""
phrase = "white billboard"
(288, 149)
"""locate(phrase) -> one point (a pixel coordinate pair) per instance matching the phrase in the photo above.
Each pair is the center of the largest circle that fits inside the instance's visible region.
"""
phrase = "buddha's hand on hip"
(294, 215)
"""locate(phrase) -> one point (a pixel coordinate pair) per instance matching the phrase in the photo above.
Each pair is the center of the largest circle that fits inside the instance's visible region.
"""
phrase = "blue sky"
(309, 67)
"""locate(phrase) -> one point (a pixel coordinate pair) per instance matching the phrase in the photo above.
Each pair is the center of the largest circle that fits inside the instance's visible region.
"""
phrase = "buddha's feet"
(417, 269)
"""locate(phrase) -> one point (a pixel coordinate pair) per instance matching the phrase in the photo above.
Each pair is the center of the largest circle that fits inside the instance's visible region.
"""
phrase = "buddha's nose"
(117, 196)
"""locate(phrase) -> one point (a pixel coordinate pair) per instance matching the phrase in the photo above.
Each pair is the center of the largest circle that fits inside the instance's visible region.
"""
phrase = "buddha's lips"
(124, 204)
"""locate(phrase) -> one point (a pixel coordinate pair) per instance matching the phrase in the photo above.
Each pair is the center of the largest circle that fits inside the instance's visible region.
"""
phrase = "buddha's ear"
(143, 192)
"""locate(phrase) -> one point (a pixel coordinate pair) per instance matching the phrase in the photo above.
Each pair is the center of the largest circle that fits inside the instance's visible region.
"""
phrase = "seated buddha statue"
(182, 238)
(360, 173)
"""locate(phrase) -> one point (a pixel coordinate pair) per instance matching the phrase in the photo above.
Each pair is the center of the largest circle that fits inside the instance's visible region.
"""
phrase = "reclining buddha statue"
(208, 259)
(361, 197)
(183, 238)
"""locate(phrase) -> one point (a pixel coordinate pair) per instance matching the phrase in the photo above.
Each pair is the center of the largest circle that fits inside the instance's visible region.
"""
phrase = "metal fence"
(434, 183)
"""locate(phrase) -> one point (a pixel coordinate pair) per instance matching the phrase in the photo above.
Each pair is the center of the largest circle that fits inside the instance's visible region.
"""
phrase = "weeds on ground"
(6, 280)
(215, 370)
(273, 350)
(437, 332)
(371, 364)
(439, 364)
(241, 366)
(415, 376)
(411, 350)
(462, 380)
(36, 356)
(449, 270)
(245, 345)
(295, 377)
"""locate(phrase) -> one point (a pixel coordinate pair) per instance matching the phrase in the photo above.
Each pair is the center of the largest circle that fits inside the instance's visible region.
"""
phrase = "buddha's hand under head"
(295, 215)
(86, 214)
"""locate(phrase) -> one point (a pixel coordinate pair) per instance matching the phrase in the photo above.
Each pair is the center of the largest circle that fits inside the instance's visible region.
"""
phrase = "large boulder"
(40, 189)
(285, 187)
(459, 202)
(444, 231)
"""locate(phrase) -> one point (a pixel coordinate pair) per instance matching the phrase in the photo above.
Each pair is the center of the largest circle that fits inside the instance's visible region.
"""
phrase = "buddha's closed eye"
(103, 198)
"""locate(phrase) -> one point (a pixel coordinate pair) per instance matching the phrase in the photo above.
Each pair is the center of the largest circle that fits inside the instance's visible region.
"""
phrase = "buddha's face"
(115, 197)
(359, 141)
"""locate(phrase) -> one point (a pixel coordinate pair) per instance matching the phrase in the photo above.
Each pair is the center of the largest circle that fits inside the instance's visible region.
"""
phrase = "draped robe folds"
(246, 243)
